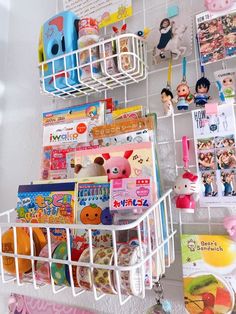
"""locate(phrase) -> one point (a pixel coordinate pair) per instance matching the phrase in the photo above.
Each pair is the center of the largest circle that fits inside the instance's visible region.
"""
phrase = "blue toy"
(58, 36)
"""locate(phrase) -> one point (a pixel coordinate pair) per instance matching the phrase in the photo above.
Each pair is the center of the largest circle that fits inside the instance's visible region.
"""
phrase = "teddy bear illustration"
(95, 169)
(187, 192)
(117, 167)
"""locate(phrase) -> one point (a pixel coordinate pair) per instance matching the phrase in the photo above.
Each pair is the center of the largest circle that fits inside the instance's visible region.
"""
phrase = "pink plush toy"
(230, 226)
(117, 167)
(218, 5)
(187, 192)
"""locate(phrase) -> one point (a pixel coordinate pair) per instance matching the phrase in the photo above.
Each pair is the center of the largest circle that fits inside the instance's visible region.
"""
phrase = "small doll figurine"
(202, 88)
(184, 97)
(166, 98)
(187, 192)
(166, 35)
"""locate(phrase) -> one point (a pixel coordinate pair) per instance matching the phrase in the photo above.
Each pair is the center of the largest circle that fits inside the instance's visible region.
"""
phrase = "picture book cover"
(93, 209)
(131, 194)
(123, 161)
(215, 154)
(46, 203)
(209, 268)
(216, 35)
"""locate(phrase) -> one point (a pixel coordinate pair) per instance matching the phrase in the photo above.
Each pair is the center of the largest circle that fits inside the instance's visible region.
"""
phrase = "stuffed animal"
(117, 167)
(187, 192)
(218, 5)
(95, 169)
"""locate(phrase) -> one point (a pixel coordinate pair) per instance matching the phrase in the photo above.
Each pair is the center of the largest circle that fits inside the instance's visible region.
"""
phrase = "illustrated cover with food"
(209, 274)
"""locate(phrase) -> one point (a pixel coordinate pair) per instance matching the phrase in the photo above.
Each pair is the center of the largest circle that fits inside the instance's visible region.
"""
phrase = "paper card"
(216, 35)
(214, 136)
(105, 11)
(209, 266)
(134, 194)
(211, 109)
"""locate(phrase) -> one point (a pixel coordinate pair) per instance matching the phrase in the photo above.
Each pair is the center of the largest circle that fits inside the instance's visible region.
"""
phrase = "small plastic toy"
(186, 185)
(218, 5)
(230, 226)
(166, 94)
(184, 96)
(58, 36)
(166, 98)
(117, 167)
(202, 88)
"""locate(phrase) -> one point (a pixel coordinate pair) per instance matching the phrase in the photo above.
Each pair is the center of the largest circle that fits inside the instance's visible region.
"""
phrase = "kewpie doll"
(187, 192)
(166, 98)
(184, 97)
(202, 88)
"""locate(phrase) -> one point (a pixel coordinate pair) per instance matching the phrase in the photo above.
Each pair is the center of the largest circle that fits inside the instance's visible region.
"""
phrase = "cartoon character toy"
(58, 36)
(218, 5)
(184, 97)
(202, 88)
(187, 192)
(166, 98)
(117, 167)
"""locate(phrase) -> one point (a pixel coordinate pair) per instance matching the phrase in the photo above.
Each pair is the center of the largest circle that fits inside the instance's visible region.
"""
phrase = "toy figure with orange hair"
(184, 97)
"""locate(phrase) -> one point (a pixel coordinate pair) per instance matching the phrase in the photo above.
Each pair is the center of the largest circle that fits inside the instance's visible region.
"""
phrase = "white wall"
(21, 107)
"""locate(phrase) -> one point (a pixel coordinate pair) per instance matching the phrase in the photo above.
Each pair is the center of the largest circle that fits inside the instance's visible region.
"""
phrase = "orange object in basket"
(23, 247)
(39, 240)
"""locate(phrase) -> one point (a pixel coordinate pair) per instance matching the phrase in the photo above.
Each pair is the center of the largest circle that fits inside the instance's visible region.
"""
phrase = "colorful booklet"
(47, 203)
(93, 209)
(64, 130)
(209, 267)
(134, 112)
(215, 154)
(131, 195)
(124, 161)
(216, 35)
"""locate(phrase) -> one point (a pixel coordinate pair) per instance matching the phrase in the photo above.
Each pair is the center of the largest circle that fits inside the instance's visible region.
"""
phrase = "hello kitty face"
(186, 186)
(218, 5)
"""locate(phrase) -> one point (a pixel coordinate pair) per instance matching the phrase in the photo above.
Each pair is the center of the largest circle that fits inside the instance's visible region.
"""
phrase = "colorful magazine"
(47, 203)
(209, 267)
(216, 35)
(215, 154)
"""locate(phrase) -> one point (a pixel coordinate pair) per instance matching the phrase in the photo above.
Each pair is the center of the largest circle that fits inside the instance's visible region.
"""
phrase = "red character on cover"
(187, 192)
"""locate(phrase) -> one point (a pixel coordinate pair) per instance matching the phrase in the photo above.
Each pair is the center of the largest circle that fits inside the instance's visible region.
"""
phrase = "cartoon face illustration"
(117, 167)
(91, 215)
(186, 184)
(106, 217)
(91, 112)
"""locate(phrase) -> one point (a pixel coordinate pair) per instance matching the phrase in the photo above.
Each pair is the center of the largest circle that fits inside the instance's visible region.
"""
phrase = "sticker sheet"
(216, 154)
(216, 35)
(208, 273)
(105, 11)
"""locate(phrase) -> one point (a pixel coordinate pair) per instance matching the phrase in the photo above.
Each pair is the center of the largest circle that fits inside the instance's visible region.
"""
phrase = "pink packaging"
(133, 194)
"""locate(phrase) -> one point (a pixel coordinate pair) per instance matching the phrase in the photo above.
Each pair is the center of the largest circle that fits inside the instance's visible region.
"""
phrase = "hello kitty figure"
(187, 192)
(218, 5)
(117, 167)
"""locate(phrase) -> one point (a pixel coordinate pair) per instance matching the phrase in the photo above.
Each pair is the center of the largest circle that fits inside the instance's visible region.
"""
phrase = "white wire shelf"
(69, 76)
(155, 245)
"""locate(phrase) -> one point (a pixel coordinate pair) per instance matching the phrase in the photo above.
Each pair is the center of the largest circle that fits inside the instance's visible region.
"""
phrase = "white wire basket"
(155, 255)
(119, 61)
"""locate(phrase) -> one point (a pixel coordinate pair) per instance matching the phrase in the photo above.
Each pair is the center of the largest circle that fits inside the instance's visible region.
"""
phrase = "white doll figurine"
(187, 192)
(166, 98)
